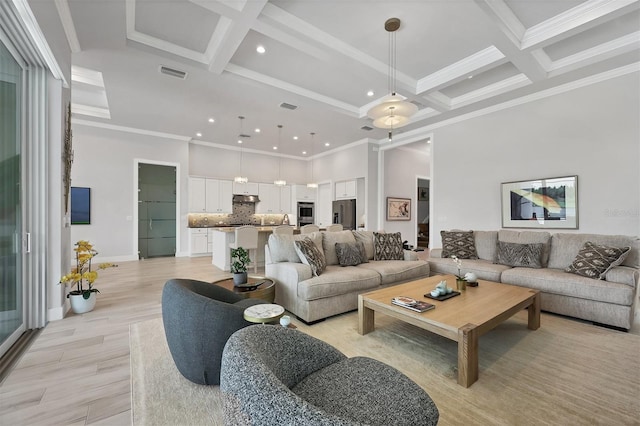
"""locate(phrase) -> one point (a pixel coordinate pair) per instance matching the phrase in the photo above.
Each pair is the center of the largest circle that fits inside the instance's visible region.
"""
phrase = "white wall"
(402, 166)
(104, 161)
(592, 132)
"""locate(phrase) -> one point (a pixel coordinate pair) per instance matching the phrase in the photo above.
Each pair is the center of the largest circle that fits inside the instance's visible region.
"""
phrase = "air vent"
(288, 106)
(367, 128)
(173, 72)
(242, 135)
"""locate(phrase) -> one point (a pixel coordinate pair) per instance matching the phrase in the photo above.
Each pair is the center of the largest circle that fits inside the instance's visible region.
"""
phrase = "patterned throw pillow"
(524, 255)
(310, 255)
(593, 261)
(387, 246)
(458, 243)
(351, 254)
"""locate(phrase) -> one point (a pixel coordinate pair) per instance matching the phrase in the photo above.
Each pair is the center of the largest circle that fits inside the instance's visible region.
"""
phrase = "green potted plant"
(239, 261)
(83, 298)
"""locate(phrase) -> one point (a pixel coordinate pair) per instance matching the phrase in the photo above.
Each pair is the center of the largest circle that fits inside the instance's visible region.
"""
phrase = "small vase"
(461, 285)
(239, 278)
(80, 305)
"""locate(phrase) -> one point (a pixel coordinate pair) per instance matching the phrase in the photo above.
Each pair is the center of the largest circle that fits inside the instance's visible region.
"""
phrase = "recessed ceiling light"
(295, 138)
(260, 49)
(199, 134)
(211, 120)
(257, 130)
(370, 93)
(470, 76)
(304, 152)
(239, 140)
(275, 147)
(327, 144)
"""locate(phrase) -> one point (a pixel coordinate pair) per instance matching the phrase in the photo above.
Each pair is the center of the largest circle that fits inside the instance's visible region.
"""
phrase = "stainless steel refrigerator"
(344, 212)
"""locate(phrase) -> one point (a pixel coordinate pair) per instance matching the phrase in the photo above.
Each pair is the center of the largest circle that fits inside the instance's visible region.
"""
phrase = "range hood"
(245, 199)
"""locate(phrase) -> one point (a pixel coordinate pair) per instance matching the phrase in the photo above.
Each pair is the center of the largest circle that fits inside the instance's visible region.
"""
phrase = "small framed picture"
(423, 193)
(541, 203)
(398, 208)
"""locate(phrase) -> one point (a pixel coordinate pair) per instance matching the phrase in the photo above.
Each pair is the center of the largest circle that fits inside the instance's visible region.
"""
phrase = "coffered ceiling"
(454, 58)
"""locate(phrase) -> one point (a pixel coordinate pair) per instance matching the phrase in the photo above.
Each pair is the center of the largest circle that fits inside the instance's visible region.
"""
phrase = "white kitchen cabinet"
(273, 199)
(304, 193)
(285, 199)
(249, 188)
(346, 189)
(197, 195)
(218, 196)
(198, 241)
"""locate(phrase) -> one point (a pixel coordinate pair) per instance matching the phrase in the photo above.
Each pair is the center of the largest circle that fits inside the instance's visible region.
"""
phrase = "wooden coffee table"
(462, 318)
(266, 291)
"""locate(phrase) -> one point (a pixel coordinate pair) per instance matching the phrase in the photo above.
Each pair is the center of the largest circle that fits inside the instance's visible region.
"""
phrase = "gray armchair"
(198, 319)
(274, 375)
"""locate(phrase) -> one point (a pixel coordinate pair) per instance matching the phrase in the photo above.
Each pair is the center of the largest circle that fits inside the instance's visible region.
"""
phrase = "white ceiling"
(453, 58)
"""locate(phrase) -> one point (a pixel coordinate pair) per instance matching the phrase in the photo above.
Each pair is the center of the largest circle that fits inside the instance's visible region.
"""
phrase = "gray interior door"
(156, 210)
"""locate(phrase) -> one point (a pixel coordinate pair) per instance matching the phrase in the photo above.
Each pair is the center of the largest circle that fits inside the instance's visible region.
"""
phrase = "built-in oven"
(306, 214)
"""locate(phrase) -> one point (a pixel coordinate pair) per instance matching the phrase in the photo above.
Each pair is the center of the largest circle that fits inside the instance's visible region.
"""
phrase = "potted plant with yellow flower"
(83, 298)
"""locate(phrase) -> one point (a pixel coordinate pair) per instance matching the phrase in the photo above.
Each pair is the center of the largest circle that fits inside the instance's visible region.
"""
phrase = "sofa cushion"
(351, 254)
(367, 391)
(282, 249)
(528, 237)
(459, 243)
(486, 244)
(392, 271)
(367, 239)
(310, 255)
(484, 269)
(525, 255)
(329, 240)
(594, 261)
(387, 246)
(565, 248)
(556, 281)
(336, 281)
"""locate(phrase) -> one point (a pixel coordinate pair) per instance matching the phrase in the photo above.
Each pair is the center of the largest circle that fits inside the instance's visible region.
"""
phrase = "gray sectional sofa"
(334, 291)
(609, 301)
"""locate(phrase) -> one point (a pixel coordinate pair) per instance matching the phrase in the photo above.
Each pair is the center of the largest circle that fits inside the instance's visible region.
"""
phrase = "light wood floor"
(77, 372)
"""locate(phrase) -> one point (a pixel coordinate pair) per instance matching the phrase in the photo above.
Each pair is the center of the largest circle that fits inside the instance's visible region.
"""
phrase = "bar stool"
(335, 227)
(247, 238)
(307, 229)
(283, 230)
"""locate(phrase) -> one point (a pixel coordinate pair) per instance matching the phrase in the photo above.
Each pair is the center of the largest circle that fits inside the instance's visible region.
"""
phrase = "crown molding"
(67, 24)
(491, 90)
(125, 129)
(479, 61)
(501, 14)
(91, 111)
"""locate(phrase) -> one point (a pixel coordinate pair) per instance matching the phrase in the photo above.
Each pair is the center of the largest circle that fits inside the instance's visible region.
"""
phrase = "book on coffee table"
(413, 304)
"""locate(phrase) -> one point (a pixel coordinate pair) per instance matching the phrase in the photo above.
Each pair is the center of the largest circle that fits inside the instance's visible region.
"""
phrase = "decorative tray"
(445, 297)
(249, 286)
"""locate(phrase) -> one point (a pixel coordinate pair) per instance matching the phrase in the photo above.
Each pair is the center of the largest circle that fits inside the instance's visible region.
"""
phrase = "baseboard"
(58, 313)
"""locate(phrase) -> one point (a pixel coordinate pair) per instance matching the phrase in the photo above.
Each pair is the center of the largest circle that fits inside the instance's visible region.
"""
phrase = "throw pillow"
(461, 244)
(387, 246)
(367, 240)
(351, 254)
(310, 255)
(593, 260)
(524, 255)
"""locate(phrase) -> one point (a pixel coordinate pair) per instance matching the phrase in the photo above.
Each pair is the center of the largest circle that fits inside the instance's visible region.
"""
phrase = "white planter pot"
(80, 305)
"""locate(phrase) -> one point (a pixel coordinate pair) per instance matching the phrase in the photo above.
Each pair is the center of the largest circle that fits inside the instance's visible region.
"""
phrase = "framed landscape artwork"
(398, 208)
(541, 203)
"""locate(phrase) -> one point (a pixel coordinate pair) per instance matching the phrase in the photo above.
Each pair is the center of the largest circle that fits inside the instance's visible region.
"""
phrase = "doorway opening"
(156, 210)
(423, 213)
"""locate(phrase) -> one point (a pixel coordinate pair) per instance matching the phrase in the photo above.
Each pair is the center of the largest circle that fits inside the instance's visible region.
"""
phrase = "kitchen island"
(223, 235)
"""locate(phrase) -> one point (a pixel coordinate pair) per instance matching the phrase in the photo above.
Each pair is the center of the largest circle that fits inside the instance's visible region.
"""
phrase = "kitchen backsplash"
(243, 213)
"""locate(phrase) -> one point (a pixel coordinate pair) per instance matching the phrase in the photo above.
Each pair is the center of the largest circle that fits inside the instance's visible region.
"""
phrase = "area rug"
(566, 372)
(160, 394)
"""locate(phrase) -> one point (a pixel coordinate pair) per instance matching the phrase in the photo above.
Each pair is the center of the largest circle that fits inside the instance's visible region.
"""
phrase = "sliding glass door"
(11, 289)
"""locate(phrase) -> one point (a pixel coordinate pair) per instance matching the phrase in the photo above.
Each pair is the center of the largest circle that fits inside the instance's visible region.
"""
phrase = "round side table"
(263, 313)
(266, 291)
